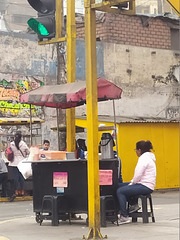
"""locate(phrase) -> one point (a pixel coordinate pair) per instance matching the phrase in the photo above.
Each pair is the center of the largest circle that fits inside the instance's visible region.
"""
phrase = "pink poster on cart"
(105, 177)
(60, 179)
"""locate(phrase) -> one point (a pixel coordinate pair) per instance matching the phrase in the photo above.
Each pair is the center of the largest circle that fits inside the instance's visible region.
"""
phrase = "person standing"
(3, 177)
(21, 151)
(143, 182)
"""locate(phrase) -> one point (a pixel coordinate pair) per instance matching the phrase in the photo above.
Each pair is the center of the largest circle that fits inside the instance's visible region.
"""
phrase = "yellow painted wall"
(165, 140)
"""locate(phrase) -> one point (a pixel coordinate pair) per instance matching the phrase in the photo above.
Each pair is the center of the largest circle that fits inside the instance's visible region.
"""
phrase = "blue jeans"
(18, 179)
(127, 193)
(4, 181)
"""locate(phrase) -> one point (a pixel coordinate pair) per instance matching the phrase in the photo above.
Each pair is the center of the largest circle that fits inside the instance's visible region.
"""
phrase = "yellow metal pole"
(71, 71)
(92, 122)
(59, 13)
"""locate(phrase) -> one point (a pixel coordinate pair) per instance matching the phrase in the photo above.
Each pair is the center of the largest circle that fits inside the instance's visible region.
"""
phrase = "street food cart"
(68, 178)
(49, 176)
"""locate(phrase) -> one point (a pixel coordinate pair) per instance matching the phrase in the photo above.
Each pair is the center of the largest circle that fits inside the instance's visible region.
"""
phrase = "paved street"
(17, 222)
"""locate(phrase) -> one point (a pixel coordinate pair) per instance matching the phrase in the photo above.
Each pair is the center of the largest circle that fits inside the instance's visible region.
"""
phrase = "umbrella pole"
(115, 132)
(30, 125)
(57, 115)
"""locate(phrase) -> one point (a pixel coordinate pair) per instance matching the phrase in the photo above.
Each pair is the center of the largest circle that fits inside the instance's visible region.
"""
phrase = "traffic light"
(45, 24)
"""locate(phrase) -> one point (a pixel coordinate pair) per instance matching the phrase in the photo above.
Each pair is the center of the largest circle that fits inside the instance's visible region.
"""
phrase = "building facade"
(139, 53)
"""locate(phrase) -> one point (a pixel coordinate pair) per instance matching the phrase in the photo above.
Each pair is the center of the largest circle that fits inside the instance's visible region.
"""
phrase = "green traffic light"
(37, 27)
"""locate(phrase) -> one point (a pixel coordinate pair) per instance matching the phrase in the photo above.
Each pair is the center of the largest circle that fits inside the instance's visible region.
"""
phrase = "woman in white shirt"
(143, 182)
(21, 151)
(3, 177)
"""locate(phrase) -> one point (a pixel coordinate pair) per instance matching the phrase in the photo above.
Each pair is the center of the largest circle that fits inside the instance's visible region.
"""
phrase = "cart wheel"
(38, 218)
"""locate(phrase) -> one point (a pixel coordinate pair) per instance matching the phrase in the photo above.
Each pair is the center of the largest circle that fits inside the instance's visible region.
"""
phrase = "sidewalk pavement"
(17, 222)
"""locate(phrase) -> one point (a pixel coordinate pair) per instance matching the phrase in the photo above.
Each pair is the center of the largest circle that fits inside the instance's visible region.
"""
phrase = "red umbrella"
(70, 94)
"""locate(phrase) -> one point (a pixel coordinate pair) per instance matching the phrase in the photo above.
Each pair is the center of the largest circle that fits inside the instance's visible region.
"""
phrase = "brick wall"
(132, 30)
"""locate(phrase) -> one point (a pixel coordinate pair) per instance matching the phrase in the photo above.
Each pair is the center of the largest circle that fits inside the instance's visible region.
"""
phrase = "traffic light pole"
(92, 122)
(59, 18)
(71, 60)
(71, 72)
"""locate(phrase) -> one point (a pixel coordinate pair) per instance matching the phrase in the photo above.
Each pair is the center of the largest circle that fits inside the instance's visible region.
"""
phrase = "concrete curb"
(25, 198)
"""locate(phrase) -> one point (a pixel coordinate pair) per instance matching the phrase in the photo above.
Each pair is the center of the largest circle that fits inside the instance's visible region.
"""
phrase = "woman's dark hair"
(17, 139)
(145, 146)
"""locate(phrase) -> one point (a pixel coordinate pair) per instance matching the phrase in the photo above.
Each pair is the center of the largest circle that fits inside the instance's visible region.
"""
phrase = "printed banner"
(105, 177)
(60, 179)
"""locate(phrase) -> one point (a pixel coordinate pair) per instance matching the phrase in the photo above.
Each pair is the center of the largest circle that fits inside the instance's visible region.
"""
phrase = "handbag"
(9, 154)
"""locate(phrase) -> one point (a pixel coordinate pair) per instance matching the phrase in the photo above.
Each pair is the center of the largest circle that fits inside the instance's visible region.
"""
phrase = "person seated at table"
(143, 182)
(46, 145)
(81, 148)
(3, 177)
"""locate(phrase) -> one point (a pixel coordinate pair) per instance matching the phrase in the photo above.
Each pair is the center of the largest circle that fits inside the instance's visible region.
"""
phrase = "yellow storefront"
(165, 139)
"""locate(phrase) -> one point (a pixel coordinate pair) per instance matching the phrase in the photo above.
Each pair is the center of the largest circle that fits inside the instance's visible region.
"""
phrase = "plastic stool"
(108, 209)
(56, 207)
(144, 214)
(49, 205)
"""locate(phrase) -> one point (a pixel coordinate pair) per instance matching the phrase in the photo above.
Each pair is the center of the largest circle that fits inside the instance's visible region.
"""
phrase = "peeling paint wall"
(149, 79)
(24, 65)
(148, 76)
(20, 53)
(141, 57)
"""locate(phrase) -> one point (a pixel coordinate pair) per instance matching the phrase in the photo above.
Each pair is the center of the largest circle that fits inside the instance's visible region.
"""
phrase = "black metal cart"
(75, 195)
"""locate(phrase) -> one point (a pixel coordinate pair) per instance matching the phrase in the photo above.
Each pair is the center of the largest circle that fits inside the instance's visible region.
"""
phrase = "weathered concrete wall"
(24, 65)
(148, 78)
(20, 53)
(138, 57)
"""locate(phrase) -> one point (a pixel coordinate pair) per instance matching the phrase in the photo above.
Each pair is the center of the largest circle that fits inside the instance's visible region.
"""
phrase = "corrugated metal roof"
(128, 119)
(162, 16)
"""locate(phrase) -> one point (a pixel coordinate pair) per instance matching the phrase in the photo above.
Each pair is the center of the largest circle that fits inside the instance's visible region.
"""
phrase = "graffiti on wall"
(10, 91)
(17, 109)
(6, 94)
